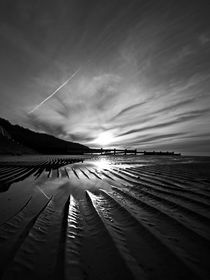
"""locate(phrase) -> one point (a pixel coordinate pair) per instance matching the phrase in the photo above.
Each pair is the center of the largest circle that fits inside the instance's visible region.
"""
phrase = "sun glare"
(105, 138)
(102, 164)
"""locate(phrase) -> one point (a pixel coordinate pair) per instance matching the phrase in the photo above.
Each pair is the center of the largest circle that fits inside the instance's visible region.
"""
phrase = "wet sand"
(105, 218)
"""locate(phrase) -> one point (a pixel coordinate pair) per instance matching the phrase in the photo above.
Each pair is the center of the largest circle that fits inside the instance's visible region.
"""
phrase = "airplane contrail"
(54, 92)
(43, 192)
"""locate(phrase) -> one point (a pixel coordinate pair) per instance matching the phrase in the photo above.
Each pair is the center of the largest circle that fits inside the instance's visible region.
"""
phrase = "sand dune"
(104, 221)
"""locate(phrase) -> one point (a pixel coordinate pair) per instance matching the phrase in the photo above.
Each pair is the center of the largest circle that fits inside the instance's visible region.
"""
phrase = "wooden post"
(114, 151)
(101, 151)
(125, 151)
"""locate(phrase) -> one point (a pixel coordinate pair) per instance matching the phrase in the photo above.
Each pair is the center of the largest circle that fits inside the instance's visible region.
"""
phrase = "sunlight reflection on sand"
(102, 163)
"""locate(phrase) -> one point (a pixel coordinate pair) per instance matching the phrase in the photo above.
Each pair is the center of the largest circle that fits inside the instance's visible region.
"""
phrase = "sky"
(139, 71)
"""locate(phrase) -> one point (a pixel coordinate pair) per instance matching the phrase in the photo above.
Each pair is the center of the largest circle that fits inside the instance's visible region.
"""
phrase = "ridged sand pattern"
(113, 222)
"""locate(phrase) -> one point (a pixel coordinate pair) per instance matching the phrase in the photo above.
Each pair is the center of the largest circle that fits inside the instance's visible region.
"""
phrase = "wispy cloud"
(127, 109)
(183, 117)
(144, 78)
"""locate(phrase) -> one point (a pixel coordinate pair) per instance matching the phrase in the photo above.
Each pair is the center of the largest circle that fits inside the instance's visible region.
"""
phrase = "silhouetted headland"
(17, 140)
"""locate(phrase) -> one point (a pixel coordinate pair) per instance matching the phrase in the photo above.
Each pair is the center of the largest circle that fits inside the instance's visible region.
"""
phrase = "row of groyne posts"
(113, 151)
(127, 151)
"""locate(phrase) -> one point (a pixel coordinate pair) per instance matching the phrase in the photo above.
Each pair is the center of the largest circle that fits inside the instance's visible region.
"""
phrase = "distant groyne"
(129, 152)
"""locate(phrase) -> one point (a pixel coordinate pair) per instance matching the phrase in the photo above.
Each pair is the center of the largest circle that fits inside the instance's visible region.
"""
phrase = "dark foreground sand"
(123, 218)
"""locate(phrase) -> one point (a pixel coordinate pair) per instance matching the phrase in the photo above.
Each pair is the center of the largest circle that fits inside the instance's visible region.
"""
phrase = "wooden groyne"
(161, 153)
(112, 151)
(127, 151)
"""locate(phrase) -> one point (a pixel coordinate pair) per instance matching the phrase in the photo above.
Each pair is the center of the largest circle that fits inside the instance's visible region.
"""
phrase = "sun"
(105, 138)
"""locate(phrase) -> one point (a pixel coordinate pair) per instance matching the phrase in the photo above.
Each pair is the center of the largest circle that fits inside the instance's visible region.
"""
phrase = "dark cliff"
(22, 139)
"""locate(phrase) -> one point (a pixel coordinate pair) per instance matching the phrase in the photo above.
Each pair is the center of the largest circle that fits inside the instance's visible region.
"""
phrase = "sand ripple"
(80, 221)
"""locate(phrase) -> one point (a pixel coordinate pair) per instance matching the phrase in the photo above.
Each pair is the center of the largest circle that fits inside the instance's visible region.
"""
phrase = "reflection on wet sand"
(106, 218)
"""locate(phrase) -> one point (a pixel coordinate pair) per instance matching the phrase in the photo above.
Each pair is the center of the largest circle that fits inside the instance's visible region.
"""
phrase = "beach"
(104, 217)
